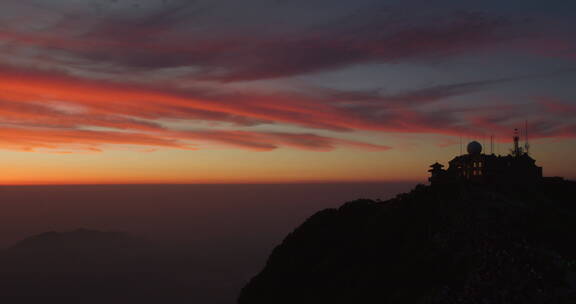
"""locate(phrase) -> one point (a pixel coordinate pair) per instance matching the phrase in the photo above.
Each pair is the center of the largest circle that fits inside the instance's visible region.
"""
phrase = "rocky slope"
(457, 244)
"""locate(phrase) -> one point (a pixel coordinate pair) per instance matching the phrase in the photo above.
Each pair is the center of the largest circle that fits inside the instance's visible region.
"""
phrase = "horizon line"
(302, 182)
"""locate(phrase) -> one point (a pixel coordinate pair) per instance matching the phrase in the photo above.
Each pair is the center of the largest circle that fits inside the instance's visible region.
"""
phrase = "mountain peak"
(467, 244)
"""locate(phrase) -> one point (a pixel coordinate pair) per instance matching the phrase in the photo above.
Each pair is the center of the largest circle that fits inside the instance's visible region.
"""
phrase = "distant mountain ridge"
(79, 239)
(435, 244)
(94, 264)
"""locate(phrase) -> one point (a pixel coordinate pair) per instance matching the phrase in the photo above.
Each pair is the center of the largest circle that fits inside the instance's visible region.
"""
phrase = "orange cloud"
(30, 139)
(52, 102)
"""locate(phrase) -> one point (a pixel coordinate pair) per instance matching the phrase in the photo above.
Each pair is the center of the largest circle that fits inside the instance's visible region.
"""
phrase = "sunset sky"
(270, 91)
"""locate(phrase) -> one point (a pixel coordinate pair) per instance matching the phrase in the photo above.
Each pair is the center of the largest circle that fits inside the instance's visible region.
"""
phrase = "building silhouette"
(476, 167)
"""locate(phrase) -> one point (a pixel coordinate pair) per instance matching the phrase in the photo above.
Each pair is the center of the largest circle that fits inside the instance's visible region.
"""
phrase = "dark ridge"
(80, 239)
(94, 264)
(436, 244)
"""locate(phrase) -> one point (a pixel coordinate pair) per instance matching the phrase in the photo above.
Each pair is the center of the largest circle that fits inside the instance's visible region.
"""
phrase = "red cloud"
(29, 139)
(35, 104)
(558, 107)
(264, 141)
(39, 101)
(52, 109)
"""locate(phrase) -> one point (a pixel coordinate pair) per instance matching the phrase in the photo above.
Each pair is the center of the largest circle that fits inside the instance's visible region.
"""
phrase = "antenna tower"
(492, 144)
(526, 144)
(516, 151)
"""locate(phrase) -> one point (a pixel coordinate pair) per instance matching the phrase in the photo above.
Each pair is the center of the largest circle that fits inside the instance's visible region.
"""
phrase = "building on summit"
(479, 168)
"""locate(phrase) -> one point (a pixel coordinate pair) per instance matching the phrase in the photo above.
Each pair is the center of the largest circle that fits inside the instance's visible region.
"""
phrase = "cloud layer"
(170, 74)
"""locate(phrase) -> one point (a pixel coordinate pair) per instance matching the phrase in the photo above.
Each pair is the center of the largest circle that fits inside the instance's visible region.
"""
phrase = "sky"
(274, 91)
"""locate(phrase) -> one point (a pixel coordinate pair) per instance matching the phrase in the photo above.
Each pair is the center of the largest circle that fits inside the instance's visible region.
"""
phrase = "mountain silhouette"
(436, 244)
(81, 250)
(77, 240)
(94, 264)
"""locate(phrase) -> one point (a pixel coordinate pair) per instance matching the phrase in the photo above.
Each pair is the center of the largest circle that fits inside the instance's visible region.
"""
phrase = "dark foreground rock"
(451, 244)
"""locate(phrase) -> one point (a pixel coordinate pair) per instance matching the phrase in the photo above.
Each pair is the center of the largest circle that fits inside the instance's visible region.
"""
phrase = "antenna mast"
(516, 150)
(492, 144)
(526, 144)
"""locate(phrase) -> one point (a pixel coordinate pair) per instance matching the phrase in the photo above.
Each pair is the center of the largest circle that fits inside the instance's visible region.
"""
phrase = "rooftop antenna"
(492, 144)
(526, 144)
(516, 151)
(460, 144)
